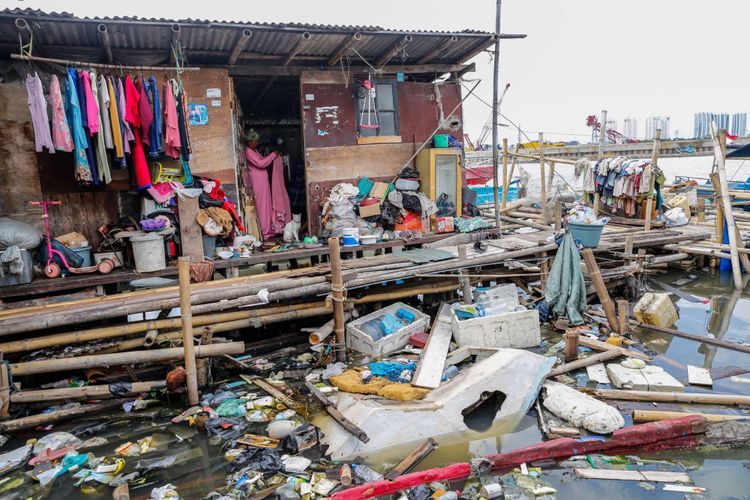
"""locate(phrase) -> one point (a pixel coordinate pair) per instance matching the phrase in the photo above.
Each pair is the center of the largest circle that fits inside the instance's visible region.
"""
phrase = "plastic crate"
(513, 329)
(358, 340)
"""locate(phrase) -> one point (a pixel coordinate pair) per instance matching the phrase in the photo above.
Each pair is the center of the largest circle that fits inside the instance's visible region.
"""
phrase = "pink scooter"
(52, 270)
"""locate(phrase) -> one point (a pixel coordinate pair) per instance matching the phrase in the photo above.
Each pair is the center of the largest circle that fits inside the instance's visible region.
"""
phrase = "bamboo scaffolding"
(673, 397)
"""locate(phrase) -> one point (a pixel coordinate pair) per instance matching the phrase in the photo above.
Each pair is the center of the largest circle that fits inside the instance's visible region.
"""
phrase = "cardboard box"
(369, 210)
(443, 225)
(379, 190)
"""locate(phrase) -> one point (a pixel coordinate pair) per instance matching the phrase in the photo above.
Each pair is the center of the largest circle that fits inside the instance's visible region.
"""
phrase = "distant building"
(739, 124)
(654, 123)
(630, 128)
(702, 124)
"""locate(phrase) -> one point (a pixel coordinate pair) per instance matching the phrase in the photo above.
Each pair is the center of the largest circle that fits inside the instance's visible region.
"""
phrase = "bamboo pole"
(697, 338)
(640, 416)
(524, 223)
(601, 288)
(652, 180)
(584, 362)
(571, 345)
(506, 181)
(603, 346)
(622, 316)
(77, 337)
(125, 358)
(88, 64)
(536, 158)
(57, 416)
(91, 391)
(545, 215)
(188, 342)
(600, 155)
(674, 397)
(337, 288)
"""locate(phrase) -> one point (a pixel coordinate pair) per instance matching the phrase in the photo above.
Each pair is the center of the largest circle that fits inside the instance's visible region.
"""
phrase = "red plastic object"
(667, 434)
(418, 339)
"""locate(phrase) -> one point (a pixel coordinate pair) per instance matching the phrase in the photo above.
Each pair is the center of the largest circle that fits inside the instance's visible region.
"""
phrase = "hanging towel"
(38, 110)
(565, 291)
(60, 131)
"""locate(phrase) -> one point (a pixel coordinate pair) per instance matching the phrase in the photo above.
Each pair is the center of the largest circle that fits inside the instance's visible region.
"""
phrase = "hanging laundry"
(256, 176)
(60, 131)
(133, 117)
(621, 182)
(171, 123)
(106, 124)
(73, 111)
(102, 160)
(127, 132)
(183, 124)
(114, 118)
(38, 110)
(85, 121)
(282, 210)
(92, 106)
(145, 110)
(155, 146)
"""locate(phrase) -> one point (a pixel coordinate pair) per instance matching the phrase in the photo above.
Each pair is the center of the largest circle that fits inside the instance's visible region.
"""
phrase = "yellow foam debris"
(351, 381)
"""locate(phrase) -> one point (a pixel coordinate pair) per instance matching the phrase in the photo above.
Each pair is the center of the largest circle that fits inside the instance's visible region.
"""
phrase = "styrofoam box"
(500, 294)
(513, 329)
(359, 340)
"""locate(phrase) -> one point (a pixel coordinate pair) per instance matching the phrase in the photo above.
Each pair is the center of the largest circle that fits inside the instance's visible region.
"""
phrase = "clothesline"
(100, 65)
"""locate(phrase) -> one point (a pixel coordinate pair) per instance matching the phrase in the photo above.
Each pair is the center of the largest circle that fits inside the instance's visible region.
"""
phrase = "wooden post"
(727, 204)
(558, 213)
(551, 175)
(4, 390)
(600, 154)
(412, 459)
(650, 200)
(571, 345)
(629, 245)
(543, 269)
(464, 280)
(506, 180)
(543, 202)
(622, 315)
(191, 236)
(188, 343)
(337, 289)
(701, 210)
(601, 288)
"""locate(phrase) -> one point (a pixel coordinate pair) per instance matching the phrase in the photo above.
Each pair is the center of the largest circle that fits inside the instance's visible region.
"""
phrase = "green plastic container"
(587, 234)
(441, 140)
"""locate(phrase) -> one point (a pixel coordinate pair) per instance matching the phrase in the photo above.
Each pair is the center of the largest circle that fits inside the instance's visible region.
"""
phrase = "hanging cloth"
(133, 117)
(103, 96)
(183, 125)
(282, 210)
(105, 175)
(145, 110)
(60, 131)
(38, 110)
(155, 146)
(72, 107)
(127, 132)
(566, 291)
(171, 125)
(114, 120)
(80, 84)
(92, 106)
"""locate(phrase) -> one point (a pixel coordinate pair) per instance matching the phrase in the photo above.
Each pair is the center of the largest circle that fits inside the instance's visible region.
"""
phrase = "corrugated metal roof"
(210, 42)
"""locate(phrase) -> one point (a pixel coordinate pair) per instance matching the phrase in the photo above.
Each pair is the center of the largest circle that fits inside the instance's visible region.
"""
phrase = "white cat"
(291, 230)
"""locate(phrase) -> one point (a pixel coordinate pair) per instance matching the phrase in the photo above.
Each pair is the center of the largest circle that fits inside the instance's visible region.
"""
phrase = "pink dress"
(257, 176)
(60, 131)
(282, 209)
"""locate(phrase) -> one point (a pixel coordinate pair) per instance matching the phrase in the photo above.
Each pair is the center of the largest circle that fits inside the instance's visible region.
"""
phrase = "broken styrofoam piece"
(649, 378)
(699, 376)
(598, 373)
(581, 410)
(515, 329)
(515, 373)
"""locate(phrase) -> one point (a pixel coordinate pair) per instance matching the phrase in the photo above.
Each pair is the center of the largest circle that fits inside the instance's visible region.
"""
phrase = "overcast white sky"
(635, 57)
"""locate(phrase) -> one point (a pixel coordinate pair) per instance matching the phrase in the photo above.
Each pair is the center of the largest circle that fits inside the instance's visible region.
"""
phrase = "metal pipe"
(239, 46)
(495, 109)
(103, 33)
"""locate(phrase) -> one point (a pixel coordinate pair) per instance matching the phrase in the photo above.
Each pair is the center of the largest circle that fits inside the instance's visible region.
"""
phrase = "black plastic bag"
(264, 460)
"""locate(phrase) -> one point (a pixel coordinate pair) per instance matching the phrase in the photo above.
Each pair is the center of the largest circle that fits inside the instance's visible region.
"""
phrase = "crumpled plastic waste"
(136, 404)
(216, 399)
(166, 492)
(56, 440)
(232, 408)
(583, 214)
(301, 438)
(263, 460)
(675, 217)
(121, 479)
(12, 459)
(333, 370)
(392, 370)
(227, 429)
(156, 463)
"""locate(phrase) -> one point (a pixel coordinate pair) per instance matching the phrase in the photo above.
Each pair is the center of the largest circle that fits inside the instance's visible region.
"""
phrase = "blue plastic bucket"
(85, 254)
(351, 237)
(587, 234)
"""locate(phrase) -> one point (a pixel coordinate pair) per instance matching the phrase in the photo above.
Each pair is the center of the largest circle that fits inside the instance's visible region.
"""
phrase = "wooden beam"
(393, 51)
(296, 48)
(441, 47)
(191, 240)
(264, 70)
(344, 48)
(479, 47)
(103, 33)
(239, 46)
(175, 37)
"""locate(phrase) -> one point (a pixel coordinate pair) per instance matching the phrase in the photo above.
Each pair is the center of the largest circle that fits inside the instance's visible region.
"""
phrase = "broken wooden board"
(598, 373)
(699, 376)
(650, 378)
(432, 363)
(634, 475)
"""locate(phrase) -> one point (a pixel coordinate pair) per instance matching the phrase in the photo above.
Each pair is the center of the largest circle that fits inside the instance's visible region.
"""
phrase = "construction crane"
(613, 136)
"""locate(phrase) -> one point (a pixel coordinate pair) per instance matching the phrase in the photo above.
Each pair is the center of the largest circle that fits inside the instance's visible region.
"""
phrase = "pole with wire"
(495, 109)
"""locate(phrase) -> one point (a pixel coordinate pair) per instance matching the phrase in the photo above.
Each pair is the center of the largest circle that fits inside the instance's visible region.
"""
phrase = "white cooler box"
(359, 340)
(512, 329)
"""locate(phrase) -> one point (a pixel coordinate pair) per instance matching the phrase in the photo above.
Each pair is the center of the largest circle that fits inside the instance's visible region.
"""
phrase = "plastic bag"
(232, 408)
(55, 441)
(675, 217)
(333, 369)
(263, 460)
(166, 492)
(17, 233)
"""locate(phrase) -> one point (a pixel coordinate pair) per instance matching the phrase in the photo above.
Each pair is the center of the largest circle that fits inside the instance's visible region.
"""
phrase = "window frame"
(396, 136)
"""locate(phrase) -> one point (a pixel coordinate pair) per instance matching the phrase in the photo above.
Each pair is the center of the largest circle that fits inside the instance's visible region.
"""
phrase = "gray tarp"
(566, 292)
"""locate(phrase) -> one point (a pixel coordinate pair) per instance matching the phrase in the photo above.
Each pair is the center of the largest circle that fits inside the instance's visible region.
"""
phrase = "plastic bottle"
(286, 492)
(365, 474)
(449, 373)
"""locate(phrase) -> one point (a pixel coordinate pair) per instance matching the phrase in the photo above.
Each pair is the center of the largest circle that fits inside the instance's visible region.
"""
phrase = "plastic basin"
(587, 234)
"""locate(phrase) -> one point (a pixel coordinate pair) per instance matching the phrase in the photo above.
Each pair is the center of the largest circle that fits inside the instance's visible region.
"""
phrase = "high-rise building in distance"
(702, 123)
(630, 128)
(654, 123)
(739, 124)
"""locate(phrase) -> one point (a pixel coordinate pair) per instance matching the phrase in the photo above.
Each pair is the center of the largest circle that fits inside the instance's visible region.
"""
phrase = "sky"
(635, 58)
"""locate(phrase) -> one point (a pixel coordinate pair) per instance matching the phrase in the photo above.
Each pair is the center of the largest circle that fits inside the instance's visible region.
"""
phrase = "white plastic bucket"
(148, 253)
(351, 237)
